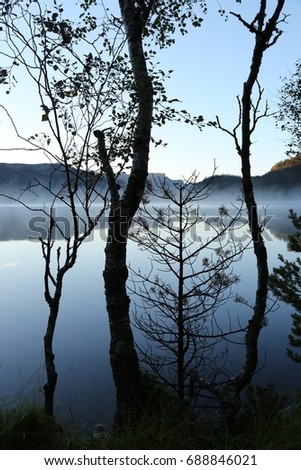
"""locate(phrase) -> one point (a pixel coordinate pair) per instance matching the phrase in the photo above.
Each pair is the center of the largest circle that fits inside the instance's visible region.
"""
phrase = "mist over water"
(85, 389)
(20, 223)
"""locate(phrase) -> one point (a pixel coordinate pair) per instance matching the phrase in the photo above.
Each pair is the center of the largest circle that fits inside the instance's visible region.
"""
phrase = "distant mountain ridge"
(283, 179)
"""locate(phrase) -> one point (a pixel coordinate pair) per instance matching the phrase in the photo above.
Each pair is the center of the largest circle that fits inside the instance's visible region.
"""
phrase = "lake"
(85, 391)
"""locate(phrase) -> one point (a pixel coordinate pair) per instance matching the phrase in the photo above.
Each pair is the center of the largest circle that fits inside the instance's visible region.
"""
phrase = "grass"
(264, 423)
(25, 427)
(261, 424)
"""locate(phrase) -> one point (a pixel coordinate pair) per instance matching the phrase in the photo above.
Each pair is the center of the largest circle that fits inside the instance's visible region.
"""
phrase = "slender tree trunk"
(123, 356)
(264, 39)
(181, 354)
(51, 373)
(266, 34)
(53, 302)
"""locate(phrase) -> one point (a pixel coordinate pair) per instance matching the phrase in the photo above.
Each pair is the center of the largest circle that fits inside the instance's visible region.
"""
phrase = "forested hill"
(30, 180)
(284, 179)
(287, 163)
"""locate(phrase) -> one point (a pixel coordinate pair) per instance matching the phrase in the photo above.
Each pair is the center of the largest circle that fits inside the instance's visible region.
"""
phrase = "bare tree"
(179, 302)
(83, 223)
(266, 31)
(83, 198)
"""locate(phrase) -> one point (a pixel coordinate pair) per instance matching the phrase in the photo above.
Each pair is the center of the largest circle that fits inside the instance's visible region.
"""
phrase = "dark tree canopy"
(285, 283)
(289, 116)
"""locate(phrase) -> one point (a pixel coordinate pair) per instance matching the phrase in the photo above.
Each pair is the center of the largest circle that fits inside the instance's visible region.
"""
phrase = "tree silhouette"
(266, 32)
(288, 118)
(69, 93)
(180, 300)
(285, 283)
(96, 78)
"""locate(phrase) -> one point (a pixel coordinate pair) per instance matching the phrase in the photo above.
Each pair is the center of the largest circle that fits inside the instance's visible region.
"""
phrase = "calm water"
(85, 389)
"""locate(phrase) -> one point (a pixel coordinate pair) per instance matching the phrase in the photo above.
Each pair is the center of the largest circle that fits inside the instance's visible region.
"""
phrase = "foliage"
(263, 422)
(94, 88)
(165, 21)
(289, 116)
(285, 283)
(76, 89)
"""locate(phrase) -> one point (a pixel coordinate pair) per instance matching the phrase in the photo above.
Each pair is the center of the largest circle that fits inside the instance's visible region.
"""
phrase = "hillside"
(34, 181)
(31, 181)
(284, 180)
(19, 178)
(287, 163)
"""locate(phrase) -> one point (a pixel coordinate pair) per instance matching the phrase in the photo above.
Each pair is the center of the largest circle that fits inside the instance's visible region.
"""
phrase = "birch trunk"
(123, 356)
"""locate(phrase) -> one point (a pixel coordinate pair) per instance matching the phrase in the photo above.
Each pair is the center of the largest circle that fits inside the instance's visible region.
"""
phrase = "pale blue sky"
(210, 65)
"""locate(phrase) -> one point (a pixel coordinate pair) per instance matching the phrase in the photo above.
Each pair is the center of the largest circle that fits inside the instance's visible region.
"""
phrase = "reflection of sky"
(8, 265)
(81, 340)
(274, 364)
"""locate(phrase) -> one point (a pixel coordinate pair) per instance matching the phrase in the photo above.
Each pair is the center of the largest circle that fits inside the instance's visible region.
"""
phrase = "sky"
(210, 65)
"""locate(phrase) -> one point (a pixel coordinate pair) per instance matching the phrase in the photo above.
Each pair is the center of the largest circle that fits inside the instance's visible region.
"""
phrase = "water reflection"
(85, 386)
(19, 223)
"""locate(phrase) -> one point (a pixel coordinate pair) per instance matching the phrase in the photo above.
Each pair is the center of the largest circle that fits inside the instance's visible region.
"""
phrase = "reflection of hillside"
(18, 223)
(277, 190)
(13, 223)
(279, 235)
(279, 224)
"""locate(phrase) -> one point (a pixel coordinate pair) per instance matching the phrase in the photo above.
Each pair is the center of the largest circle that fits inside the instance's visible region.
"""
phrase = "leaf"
(45, 117)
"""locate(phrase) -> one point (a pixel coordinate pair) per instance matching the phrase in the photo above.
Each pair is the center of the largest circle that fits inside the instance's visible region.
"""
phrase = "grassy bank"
(262, 424)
